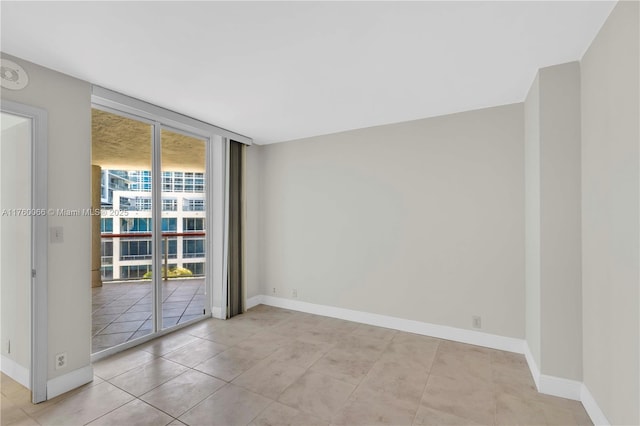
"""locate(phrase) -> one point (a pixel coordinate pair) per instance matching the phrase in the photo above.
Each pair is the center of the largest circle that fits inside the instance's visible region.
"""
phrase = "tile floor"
(122, 310)
(271, 366)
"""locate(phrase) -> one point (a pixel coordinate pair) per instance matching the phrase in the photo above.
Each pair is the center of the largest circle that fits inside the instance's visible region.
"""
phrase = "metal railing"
(134, 235)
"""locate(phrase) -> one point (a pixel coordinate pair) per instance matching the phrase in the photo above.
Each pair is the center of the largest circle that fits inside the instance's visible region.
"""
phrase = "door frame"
(157, 124)
(39, 245)
(216, 188)
(210, 223)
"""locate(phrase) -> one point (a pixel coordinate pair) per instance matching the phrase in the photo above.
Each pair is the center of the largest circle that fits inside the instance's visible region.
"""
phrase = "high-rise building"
(126, 222)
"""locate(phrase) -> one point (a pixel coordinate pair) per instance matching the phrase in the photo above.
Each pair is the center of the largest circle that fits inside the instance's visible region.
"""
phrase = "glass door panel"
(122, 234)
(183, 169)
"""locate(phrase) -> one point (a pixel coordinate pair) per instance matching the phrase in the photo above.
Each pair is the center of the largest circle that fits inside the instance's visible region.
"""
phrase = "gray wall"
(610, 215)
(560, 240)
(421, 220)
(252, 237)
(553, 260)
(68, 103)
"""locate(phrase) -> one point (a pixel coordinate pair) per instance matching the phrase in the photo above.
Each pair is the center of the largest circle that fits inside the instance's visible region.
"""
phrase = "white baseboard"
(558, 386)
(216, 312)
(253, 301)
(533, 366)
(565, 388)
(69, 381)
(493, 341)
(16, 371)
(593, 409)
(550, 385)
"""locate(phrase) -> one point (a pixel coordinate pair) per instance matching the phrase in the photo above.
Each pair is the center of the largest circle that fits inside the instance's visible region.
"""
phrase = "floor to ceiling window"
(184, 255)
(122, 156)
(151, 236)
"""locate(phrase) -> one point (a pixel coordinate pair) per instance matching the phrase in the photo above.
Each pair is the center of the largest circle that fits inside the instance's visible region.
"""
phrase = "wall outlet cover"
(61, 360)
(476, 322)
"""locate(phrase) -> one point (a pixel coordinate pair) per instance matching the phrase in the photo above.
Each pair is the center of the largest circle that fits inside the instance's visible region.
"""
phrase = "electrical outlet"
(476, 322)
(9, 346)
(274, 290)
(61, 360)
(294, 292)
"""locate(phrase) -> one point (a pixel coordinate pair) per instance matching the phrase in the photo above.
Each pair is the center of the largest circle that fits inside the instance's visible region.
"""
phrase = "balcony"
(123, 305)
(122, 309)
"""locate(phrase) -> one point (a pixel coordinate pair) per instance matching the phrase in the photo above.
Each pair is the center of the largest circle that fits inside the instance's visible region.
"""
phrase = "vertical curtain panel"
(235, 276)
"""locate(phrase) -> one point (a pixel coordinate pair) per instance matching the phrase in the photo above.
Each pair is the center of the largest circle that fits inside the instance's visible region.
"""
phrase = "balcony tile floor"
(122, 310)
(272, 366)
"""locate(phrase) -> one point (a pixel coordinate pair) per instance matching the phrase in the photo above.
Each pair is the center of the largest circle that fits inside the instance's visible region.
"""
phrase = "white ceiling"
(288, 70)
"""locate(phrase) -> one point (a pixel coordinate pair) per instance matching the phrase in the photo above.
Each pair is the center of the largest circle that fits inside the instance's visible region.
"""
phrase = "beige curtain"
(236, 229)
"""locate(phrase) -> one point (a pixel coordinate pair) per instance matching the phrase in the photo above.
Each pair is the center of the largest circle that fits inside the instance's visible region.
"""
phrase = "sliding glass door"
(122, 293)
(151, 183)
(184, 218)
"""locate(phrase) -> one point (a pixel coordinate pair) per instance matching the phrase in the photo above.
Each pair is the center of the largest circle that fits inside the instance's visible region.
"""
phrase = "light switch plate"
(56, 234)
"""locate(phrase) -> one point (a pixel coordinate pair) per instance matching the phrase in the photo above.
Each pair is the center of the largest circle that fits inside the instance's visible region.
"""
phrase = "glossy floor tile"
(122, 309)
(272, 366)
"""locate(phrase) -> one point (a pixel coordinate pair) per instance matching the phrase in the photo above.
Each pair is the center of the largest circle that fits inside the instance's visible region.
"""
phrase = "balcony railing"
(113, 258)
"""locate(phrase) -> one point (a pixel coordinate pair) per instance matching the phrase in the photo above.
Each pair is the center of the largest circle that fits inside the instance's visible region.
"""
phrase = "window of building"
(169, 204)
(169, 224)
(173, 247)
(193, 248)
(106, 225)
(126, 203)
(143, 203)
(197, 205)
(196, 268)
(135, 224)
(193, 224)
(106, 252)
(135, 249)
(106, 272)
(134, 271)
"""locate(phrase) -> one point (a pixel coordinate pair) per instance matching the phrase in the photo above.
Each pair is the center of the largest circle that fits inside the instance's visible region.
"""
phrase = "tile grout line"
(424, 389)
(125, 292)
(242, 326)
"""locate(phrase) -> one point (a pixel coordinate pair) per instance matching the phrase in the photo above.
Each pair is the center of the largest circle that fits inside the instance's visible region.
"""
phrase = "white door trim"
(217, 244)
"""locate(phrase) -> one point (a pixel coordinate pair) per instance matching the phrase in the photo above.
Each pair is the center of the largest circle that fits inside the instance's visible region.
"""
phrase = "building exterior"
(126, 222)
